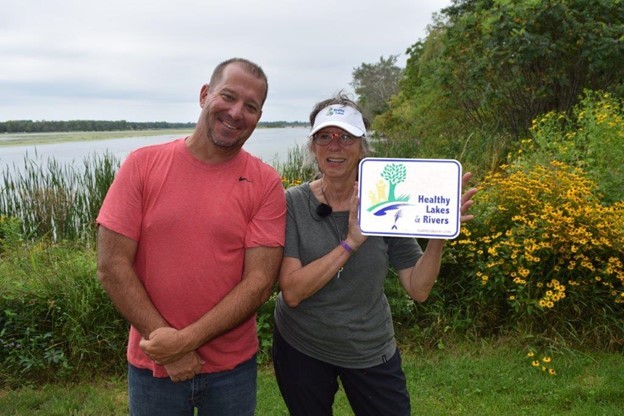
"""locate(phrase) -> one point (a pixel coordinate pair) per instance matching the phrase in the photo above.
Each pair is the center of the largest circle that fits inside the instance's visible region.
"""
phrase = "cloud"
(146, 60)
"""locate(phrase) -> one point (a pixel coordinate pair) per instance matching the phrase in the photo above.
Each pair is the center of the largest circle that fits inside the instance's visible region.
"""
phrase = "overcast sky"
(146, 60)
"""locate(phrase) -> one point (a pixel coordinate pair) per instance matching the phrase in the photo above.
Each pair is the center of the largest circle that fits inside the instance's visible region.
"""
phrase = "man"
(189, 246)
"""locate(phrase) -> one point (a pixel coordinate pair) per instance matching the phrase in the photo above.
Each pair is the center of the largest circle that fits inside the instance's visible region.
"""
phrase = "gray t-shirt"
(348, 322)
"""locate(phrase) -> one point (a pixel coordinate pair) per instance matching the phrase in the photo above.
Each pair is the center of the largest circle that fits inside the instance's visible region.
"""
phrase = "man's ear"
(203, 93)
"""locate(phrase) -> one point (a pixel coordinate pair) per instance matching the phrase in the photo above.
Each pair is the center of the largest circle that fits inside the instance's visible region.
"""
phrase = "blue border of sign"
(416, 235)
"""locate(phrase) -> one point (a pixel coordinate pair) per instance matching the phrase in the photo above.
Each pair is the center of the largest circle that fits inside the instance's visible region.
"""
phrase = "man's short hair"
(248, 66)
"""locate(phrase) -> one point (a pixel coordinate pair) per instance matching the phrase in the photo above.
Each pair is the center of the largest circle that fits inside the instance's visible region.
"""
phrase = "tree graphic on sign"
(394, 174)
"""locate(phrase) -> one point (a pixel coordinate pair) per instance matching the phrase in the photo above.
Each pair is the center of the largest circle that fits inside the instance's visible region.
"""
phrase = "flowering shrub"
(591, 138)
(543, 250)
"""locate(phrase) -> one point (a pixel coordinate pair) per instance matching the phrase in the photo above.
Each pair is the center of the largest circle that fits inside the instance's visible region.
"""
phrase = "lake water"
(269, 144)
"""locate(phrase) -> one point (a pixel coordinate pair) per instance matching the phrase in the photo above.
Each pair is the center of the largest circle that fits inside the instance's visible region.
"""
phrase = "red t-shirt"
(192, 222)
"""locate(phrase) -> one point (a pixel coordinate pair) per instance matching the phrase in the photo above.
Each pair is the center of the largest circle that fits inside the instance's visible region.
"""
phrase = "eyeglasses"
(323, 139)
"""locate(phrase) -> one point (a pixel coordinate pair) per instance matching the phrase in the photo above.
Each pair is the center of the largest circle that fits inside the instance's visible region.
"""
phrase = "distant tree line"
(281, 124)
(44, 126)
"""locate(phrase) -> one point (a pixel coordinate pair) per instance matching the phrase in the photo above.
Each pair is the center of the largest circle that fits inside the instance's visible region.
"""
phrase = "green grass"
(500, 380)
(486, 378)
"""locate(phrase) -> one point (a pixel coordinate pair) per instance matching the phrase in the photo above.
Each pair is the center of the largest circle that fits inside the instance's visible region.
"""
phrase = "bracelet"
(346, 246)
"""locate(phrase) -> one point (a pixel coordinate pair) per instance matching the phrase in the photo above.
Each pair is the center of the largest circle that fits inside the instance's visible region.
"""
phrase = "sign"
(410, 197)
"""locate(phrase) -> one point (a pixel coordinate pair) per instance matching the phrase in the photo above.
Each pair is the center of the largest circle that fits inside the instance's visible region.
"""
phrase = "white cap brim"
(342, 116)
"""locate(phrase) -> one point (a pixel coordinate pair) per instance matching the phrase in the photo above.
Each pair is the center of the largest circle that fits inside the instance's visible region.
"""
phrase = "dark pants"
(308, 385)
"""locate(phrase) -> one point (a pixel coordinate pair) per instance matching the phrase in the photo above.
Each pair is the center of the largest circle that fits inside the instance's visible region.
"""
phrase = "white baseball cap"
(342, 116)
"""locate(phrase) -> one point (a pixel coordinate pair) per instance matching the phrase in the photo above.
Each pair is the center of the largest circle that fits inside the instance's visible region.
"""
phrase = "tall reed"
(297, 168)
(57, 200)
(61, 201)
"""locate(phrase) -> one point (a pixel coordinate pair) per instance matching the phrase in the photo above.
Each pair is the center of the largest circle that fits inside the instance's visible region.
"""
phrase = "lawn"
(479, 378)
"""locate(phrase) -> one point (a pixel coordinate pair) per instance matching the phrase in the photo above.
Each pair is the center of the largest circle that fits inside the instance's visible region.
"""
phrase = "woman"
(332, 317)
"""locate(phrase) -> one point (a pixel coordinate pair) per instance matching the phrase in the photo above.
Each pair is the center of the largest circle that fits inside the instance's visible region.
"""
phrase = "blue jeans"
(226, 393)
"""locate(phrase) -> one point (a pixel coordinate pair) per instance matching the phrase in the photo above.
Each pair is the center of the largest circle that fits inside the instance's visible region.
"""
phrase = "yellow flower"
(546, 359)
(530, 354)
(535, 363)
(552, 371)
